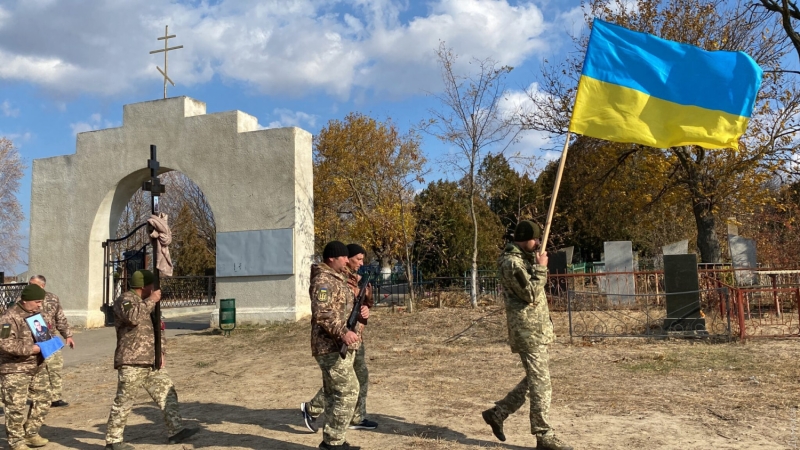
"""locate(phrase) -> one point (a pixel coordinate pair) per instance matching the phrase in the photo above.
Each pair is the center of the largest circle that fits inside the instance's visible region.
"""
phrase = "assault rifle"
(352, 320)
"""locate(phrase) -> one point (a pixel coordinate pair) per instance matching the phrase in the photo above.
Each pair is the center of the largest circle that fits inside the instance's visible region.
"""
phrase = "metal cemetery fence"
(177, 292)
(9, 293)
(596, 314)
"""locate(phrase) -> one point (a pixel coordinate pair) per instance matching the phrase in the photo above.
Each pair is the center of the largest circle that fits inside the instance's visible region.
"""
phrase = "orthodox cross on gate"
(166, 50)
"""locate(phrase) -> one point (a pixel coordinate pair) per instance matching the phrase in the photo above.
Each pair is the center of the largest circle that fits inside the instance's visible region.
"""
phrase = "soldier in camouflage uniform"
(313, 409)
(53, 314)
(523, 276)
(134, 360)
(331, 302)
(23, 373)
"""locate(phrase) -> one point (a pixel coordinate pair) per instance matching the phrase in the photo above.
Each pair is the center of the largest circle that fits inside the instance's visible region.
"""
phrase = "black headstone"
(683, 294)
(557, 264)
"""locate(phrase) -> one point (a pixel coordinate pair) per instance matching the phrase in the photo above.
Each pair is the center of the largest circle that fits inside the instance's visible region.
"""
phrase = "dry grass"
(433, 371)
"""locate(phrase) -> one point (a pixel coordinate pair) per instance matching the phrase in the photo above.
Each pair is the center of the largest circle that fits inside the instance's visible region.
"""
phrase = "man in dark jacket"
(134, 359)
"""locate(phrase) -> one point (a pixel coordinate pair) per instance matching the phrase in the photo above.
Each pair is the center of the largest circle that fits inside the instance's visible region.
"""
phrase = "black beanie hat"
(335, 249)
(526, 231)
(355, 249)
(33, 292)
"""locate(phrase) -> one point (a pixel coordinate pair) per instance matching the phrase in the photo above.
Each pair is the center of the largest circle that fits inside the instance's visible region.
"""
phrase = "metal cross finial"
(166, 49)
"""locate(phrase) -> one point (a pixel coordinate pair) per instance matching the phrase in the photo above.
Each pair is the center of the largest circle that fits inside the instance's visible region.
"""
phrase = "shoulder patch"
(127, 305)
(323, 293)
(5, 331)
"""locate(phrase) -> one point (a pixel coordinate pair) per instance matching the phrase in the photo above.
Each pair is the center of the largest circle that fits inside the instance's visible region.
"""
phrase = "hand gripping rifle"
(352, 320)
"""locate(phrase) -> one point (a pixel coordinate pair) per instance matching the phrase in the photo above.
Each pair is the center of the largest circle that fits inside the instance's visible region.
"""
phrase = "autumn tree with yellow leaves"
(689, 181)
(364, 173)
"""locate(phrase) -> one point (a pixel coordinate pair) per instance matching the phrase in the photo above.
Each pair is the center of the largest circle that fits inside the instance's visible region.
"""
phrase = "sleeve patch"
(127, 305)
(322, 294)
(5, 331)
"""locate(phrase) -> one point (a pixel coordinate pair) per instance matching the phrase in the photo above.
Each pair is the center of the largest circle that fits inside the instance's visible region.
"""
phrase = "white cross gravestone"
(258, 183)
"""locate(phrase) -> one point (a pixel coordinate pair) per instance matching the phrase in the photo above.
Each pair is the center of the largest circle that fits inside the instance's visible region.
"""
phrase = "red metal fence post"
(740, 310)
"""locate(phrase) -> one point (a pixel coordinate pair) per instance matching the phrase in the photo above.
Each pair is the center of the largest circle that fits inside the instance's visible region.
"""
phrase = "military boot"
(22, 445)
(120, 446)
(491, 417)
(36, 441)
(344, 446)
(549, 441)
(182, 435)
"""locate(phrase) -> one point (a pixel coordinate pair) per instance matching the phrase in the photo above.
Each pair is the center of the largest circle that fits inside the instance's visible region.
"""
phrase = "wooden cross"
(153, 185)
(166, 49)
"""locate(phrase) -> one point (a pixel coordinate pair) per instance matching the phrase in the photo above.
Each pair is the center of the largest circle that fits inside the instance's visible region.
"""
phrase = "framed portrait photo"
(42, 336)
(39, 328)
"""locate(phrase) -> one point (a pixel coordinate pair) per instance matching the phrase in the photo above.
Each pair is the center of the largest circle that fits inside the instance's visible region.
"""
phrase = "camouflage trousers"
(536, 387)
(55, 365)
(340, 388)
(17, 389)
(158, 384)
(317, 405)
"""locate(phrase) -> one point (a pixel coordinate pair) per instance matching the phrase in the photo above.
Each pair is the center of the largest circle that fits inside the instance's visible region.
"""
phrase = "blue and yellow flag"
(639, 88)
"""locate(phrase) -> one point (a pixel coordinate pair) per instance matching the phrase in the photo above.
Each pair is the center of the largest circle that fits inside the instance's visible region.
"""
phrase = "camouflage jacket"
(331, 302)
(16, 343)
(135, 334)
(53, 314)
(523, 282)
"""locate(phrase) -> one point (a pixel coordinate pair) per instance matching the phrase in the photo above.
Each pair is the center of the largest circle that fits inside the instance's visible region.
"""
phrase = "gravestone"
(743, 259)
(676, 248)
(620, 288)
(733, 229)
(683, 297)
(569, 251)
(557, 264)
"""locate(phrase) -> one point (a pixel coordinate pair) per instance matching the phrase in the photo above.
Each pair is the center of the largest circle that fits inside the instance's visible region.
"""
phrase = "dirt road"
(427, 394)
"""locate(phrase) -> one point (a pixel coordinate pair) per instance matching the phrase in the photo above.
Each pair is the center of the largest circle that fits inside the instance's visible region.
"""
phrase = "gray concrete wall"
(253, 180)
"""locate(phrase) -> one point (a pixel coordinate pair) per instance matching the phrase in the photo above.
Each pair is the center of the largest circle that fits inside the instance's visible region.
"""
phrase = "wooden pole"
(557, 184)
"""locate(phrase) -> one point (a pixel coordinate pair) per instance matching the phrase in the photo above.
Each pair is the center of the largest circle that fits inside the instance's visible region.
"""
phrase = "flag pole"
(552, 208)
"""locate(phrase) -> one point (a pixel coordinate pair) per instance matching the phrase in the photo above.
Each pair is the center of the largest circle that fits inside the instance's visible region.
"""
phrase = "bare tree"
(180, 191)
(11, 168)
(472, 119)
(788, 11)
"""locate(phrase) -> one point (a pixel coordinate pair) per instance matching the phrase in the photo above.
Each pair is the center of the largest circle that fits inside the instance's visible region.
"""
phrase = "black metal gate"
(123, 256)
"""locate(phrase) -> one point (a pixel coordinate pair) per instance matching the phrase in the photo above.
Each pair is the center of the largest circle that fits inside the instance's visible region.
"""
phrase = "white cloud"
(293, 47)
(17, 138)
(7, 110)
(95, 122)
(289, 118)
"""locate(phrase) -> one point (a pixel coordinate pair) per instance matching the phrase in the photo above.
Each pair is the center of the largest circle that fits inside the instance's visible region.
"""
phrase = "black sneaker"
(491, 418)
(364, 425)
(345, 446)
(58, 404)
(182, 435)
(311, 422)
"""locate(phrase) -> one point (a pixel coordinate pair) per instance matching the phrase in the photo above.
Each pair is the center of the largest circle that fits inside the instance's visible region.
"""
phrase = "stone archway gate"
(258, 182)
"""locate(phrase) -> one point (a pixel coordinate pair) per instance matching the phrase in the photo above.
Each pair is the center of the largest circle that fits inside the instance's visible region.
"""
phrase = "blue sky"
(69, 66)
